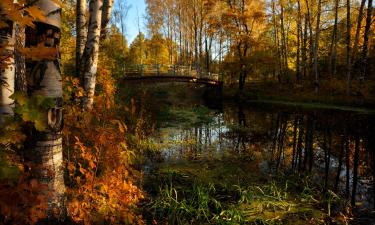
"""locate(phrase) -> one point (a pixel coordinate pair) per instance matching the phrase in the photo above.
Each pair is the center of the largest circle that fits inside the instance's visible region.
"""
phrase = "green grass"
(219, 192)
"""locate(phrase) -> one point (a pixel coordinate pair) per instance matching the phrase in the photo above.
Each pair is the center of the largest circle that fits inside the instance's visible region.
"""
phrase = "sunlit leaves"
(40, 52)
(101, 181)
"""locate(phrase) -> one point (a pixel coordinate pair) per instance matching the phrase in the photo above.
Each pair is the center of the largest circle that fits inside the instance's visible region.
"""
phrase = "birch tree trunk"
(7, 70)
(91, 53)
(106, 15)
(81, 30)
(46, 152)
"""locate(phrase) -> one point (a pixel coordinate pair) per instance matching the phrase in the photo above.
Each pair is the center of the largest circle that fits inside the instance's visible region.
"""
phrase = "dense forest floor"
(331, 94)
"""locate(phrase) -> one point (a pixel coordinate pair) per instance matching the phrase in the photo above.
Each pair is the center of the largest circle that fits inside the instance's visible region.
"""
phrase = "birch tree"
(7, 70)
(81, 31)
(46, 149)
(106, 15)
(91, 53)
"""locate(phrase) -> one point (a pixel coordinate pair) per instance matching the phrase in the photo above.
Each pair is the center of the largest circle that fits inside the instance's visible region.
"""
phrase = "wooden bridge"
(170, 73)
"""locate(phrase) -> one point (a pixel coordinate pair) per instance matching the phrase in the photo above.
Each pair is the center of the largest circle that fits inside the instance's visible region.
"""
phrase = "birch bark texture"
(81, 29)
(7, 70)
(46, 82)
(106, 16)
(91, 53)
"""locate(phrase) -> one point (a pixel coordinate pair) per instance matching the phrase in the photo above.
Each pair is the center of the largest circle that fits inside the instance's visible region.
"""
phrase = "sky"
(132, 18)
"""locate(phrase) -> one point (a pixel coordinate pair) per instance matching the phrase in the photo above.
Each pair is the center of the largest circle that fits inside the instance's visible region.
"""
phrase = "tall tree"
(106, 15)
(7, 69)
(316, 46)
(348, 64)
(81, 31)
(365, 41)
(91, 53)
(46, 151)
(333, 52)
(358, 30)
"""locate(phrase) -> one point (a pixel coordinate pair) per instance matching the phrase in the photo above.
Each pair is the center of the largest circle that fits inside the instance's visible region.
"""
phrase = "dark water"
(336, 147)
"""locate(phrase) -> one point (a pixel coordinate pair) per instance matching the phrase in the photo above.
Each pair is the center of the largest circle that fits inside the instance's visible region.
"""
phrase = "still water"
(336, 147)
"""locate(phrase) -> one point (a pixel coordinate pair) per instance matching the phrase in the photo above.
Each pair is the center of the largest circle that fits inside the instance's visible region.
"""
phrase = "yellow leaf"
(36, 13)
(40, 52)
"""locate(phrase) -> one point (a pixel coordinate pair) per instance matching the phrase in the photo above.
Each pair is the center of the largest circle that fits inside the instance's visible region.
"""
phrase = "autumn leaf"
(40, 52)
(36, 13)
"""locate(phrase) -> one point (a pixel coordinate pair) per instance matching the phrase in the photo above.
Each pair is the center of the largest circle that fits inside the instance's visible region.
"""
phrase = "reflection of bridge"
(170, 73)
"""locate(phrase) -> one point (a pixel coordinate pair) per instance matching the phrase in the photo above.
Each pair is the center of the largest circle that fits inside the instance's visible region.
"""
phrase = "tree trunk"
(358, 30)
(311, 38)
(106, 15)
(283, 44)
(276, 41)
(81, 30)
(316, 47)
(365, 41)
(46, 152)
(7, 70)
(299, 30)
(91, 53)
(348, 65)
(304, 49)
(21, 80)
(333, 52)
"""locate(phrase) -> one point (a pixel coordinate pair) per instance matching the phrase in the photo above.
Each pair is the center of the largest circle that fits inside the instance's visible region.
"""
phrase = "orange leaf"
(36, 13)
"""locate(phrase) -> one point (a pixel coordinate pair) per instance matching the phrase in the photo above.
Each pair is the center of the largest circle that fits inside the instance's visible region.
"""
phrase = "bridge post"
(174, 70)
(158, 69)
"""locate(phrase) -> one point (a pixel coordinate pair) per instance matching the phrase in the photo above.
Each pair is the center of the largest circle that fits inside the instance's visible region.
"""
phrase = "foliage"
(101, 182)
(32, 109)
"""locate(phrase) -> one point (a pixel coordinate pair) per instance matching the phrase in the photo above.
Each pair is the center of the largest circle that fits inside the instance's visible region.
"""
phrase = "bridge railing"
(169, 70)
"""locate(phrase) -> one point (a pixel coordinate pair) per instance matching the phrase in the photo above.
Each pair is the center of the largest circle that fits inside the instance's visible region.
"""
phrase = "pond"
(259, 164)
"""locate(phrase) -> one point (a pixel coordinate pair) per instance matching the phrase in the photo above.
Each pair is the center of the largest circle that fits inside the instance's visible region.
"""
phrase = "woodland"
(219, 112)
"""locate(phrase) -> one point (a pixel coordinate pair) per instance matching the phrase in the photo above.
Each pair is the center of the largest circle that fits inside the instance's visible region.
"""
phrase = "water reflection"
(337, 148)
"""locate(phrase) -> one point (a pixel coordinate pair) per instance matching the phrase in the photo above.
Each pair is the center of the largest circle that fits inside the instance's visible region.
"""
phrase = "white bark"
(106, 15)
(91, 53)
(7, 71)
(81, 29)
(46, 152)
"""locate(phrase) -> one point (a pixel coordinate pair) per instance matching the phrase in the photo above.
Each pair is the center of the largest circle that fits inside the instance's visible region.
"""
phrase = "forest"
(217, 112)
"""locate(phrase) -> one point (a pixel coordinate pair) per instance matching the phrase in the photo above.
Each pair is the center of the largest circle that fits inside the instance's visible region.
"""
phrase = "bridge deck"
(170, 73)
(171, 78)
